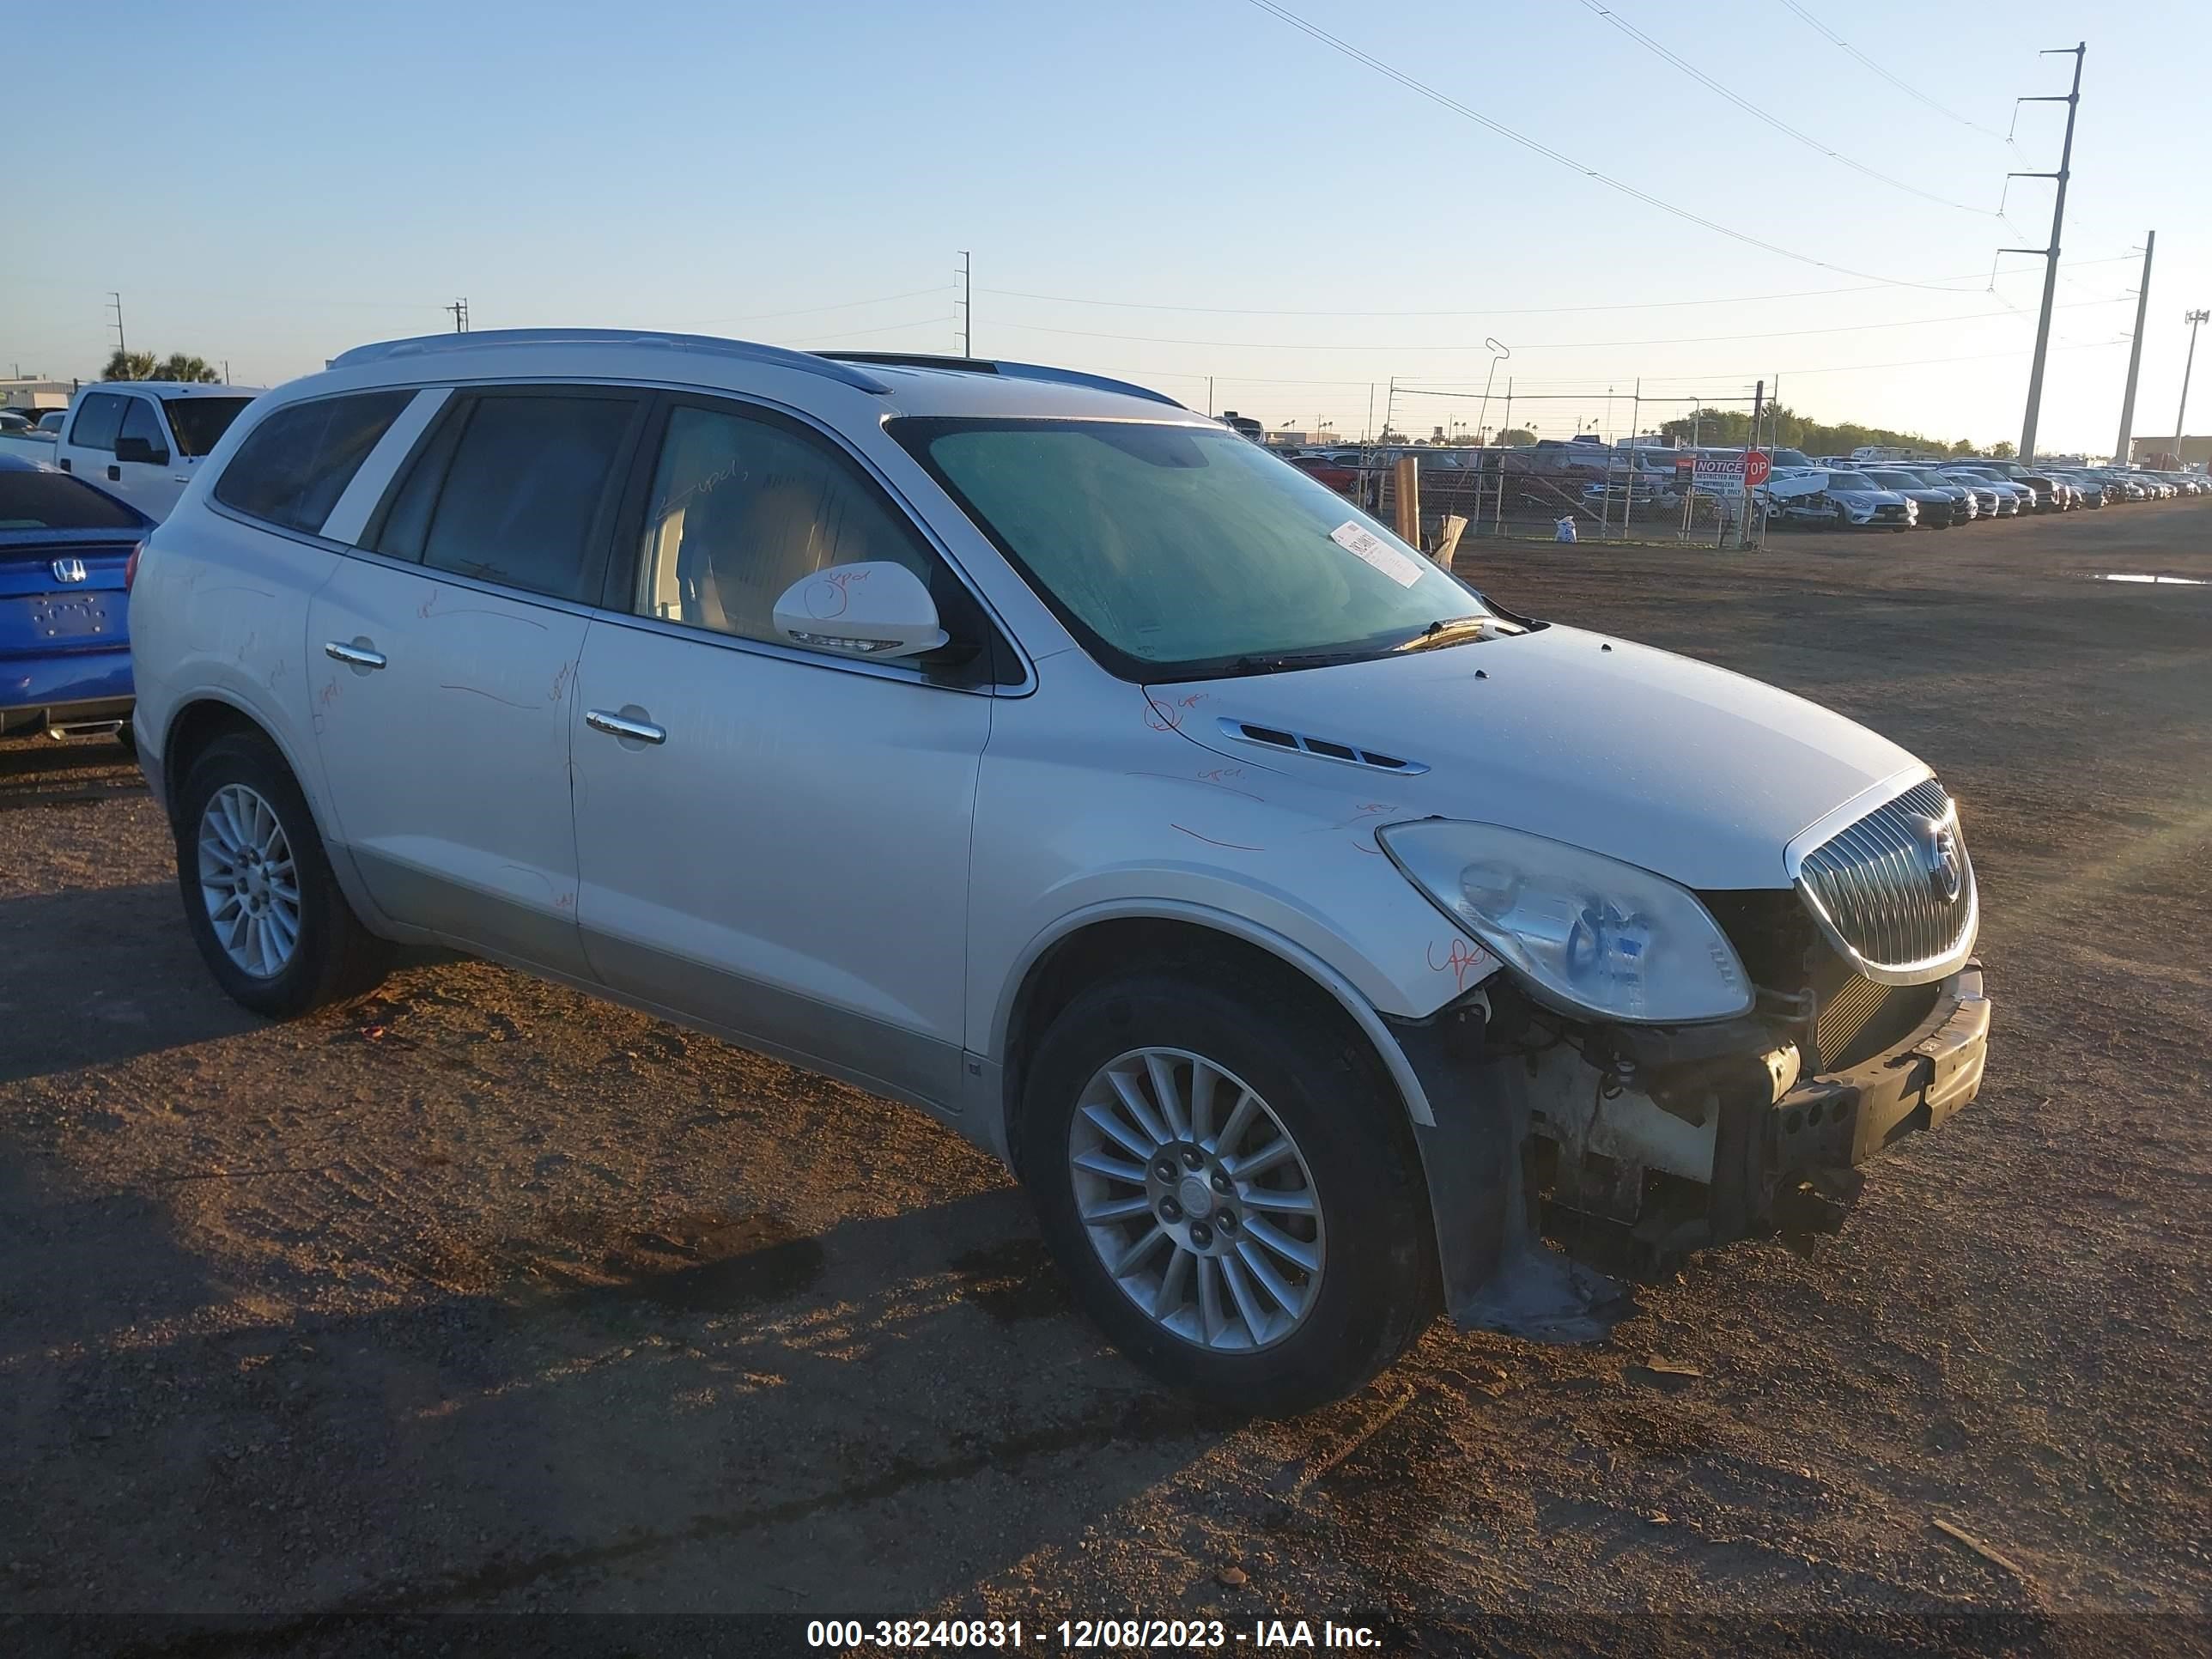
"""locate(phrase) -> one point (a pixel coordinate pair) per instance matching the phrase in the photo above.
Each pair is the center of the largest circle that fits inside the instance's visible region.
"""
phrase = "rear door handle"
(359, 655)
(624, 726)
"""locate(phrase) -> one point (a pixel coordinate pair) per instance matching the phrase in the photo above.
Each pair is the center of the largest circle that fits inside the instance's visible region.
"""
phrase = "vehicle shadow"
(708, 1416)
(91, 975)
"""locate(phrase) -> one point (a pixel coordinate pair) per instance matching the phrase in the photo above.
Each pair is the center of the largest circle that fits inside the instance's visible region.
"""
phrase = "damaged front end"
(1632, 1143)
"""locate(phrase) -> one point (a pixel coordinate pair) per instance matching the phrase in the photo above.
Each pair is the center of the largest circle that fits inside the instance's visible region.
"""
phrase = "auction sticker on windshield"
(1370, 548)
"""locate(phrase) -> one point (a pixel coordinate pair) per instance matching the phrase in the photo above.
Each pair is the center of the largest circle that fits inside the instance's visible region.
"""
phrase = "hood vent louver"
(1322, 748)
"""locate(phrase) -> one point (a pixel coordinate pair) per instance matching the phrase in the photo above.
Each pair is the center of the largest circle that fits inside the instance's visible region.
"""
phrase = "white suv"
(1021, 746)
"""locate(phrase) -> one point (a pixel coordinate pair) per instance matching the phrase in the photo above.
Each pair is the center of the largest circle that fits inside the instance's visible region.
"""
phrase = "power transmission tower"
(460, 310)
(2192, 318)
(2072, 99)
(967, 307)
(115, 305)
(2134, 360)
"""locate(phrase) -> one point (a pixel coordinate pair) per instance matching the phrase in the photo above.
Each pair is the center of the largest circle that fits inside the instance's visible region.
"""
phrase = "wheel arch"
(1106, 938)
(199, 721)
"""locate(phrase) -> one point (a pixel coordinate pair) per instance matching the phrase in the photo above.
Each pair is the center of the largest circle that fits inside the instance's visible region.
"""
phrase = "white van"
(141, 440)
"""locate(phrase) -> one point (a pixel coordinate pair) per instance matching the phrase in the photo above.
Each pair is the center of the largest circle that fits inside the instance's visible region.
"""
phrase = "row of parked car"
(1936, 494)
(1865, 491)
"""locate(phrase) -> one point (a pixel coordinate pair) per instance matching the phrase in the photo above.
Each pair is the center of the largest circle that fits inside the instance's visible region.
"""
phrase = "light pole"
(2192, 318)
(1497, 352)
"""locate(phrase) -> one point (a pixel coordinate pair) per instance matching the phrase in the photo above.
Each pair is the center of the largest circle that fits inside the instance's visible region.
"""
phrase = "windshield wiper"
(1458, 630)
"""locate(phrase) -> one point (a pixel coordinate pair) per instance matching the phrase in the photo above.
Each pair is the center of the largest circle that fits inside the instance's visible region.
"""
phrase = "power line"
(1545, 150)
(809, 311)
(1931, 284)
(1771, 120)
(1909, 91)
(892, 328)
(1543, 345)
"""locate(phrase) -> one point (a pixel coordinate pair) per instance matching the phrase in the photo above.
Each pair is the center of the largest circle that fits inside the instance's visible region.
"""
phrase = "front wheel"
(1234, 1192)
(259, 896)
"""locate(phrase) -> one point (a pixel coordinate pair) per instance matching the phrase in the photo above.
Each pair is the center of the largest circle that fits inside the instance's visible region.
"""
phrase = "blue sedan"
(65, 552)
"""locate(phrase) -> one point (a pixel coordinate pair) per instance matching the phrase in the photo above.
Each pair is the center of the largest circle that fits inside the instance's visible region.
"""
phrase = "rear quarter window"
(293, 467)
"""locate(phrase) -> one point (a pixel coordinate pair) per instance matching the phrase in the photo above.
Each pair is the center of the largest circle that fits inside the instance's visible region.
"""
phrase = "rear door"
(445, 657)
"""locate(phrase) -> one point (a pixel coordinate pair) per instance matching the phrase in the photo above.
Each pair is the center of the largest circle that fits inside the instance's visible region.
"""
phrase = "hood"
(1870, 497)
(1675, 765)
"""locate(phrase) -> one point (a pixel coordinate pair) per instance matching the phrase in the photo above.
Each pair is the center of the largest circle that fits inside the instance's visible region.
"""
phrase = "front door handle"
(625, 726)
(357, 653)
(115, 475)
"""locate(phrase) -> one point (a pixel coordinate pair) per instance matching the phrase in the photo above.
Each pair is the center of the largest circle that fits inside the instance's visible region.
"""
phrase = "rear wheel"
(1234, 1192)
(259, 897)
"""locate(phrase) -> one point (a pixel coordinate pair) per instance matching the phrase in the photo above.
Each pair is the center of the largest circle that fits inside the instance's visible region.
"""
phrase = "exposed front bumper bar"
(1843, 1119)
(1720, 1113)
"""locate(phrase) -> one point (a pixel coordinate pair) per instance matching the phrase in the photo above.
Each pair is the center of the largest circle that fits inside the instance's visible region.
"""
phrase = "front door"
(442, 665)
(773, 840)
(145, 470)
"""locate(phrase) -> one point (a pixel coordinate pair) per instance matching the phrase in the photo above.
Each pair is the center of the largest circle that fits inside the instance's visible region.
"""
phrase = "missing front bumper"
(1672, 1140)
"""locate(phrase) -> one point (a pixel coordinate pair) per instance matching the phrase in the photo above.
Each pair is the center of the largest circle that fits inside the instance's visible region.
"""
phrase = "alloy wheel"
(248, 881)
(1198, 1200)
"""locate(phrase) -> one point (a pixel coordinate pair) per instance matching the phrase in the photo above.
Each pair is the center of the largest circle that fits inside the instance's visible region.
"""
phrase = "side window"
(97, 419)
(511, 490)
(741, 508)
(293, 467)
(140, 422)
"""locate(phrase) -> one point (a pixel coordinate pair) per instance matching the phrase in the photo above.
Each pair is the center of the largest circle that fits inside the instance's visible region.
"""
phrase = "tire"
(331, 955)
(1354, 1161)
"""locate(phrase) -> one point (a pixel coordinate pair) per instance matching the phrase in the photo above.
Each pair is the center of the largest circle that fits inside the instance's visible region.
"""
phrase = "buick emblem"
(68, 570)
(1940, 858)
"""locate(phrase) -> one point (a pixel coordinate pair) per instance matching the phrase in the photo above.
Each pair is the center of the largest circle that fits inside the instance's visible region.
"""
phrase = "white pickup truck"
(143, 440)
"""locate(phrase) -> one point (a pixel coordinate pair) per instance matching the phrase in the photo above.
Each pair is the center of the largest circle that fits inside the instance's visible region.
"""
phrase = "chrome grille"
(1870, 887)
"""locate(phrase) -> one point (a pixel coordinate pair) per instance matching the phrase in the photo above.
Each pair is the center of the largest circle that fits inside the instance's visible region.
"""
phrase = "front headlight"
(1587, 933)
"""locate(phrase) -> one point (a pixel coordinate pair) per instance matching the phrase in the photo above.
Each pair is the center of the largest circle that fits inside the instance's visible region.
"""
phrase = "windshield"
(48, 501)
(1173, 552)
(1896, 480)
(200, 423)
(1851, 481)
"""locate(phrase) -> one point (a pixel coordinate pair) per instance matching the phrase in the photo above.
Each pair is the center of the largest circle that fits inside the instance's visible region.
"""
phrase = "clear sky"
(1165, 189)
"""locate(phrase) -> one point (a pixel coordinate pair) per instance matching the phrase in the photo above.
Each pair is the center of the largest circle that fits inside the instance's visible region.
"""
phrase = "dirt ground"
(477, 1298)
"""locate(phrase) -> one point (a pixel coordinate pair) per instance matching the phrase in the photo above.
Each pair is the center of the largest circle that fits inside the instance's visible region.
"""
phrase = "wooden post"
(1406, 499)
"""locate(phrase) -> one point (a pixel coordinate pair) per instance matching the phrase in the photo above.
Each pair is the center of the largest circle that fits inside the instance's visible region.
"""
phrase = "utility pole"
(460, 310)
(1750, 443)
(2073, 102)
(2192, 318)
(967, 305)
(115, 305)
(2134, 360)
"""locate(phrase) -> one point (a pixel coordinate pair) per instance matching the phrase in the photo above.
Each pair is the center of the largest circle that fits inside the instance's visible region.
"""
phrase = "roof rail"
(1000, 367)
(425, 345)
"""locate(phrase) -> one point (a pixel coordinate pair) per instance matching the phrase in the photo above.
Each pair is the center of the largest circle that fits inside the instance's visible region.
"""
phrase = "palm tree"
(129, 366)
(143, 366)
(193, 371)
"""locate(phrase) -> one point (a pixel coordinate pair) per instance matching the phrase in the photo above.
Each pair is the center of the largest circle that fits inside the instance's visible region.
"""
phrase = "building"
(2194, 452)
(34, 396)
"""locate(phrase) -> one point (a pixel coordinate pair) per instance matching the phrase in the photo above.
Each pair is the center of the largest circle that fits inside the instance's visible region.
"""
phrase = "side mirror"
(140, 449)
(878, 609)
